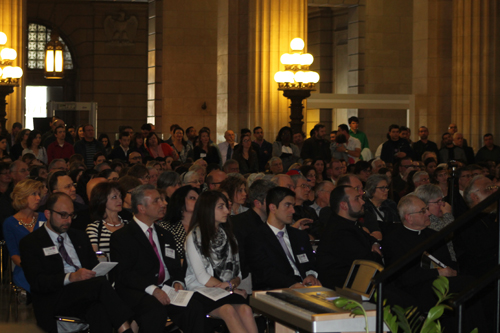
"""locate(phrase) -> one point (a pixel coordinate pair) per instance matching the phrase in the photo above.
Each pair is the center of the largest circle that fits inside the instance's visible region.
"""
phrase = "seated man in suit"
(57, 262)
(244, 224)
(279, 255)
(343, 240)
(147, 260)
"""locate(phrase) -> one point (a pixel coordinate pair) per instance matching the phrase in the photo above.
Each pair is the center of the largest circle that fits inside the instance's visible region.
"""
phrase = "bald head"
(214, 178)
(92, 183)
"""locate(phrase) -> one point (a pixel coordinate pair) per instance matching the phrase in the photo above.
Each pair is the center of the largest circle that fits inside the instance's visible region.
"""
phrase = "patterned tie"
(64, 253)
(161, 275)
(283, 245)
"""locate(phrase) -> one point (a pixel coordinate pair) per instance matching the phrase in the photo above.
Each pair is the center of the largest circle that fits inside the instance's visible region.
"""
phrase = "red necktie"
(161, 275)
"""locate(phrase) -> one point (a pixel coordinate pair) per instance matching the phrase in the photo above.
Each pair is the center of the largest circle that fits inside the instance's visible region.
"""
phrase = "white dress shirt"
(70, 248)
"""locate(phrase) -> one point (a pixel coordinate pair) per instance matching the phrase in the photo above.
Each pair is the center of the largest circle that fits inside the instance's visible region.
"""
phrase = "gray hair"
(253, 177)
(374, 161)
(228, 163)
(274, 158)
(295, 179)
(258, 190)
(417, 175)
(99, 166)
(319, 187)
(15, 165)
(188, 175)
(471, 188)
(168, 178)
(404, 205)
(138, 196)
(372, 182)
(428, 192)
(54, 161)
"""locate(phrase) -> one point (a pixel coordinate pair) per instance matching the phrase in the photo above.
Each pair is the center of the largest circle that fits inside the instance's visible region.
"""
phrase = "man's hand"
(161, 296)
(178, 286)
(448, 272)
(400, 154)
(302, 224)
(310, 280)
(446, 208)
(81, 275)
(376, 248)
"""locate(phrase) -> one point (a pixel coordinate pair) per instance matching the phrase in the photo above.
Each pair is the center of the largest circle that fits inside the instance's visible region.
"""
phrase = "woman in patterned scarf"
(213, 261)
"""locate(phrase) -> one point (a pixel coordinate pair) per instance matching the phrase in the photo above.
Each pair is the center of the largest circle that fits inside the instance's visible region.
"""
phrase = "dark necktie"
(161, 275)
(229, 152)
(64, 253)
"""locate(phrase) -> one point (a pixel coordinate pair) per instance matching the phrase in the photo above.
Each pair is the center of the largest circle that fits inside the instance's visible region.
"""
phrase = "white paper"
(213, 293)
(104, 267)
(179, 298)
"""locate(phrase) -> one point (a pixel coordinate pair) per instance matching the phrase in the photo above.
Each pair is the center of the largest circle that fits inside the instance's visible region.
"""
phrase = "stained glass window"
(38, 36)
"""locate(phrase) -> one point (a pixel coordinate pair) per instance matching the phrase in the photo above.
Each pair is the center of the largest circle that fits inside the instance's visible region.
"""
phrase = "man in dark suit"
(122, 150)
(147, 260)
(343, 239)
(246, 223)
(279, 255)
(57, 262)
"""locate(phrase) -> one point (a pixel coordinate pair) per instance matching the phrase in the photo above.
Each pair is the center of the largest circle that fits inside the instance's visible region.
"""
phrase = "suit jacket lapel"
(297, 249)
(274, 242)
(142, 239)
(46, 241)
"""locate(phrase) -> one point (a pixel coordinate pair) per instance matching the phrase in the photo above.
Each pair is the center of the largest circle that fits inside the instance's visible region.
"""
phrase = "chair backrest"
(360, 278)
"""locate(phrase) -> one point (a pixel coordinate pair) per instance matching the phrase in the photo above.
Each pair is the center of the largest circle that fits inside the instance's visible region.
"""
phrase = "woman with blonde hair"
(25, 200)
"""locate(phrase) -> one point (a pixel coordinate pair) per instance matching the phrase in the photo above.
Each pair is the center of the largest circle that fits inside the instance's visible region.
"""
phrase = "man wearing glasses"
(399, 181)
(58, 263)
(302, 189)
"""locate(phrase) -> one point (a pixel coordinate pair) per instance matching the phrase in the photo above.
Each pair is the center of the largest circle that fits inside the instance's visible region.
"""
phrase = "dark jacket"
(390, 218)
(391, 148)
(316, 149)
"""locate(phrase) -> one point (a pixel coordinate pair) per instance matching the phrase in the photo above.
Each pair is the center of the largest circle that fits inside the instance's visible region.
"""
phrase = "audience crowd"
(186, 213)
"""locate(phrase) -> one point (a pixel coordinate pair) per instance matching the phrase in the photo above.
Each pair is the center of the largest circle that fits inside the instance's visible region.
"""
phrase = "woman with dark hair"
(181, 146)
(285, 149)
(3, 146)
(179, 212)
(38, 171)
(213, 261)
(105, 204)
(363, 170)
(81, 186)
(26, 198)
(140, 172)
(33, 146)
(79, 133)
(309, 172)
(16, 150)
(104, 139)
(441, 179)
(157, 149)
(236, 189)
(109, 174)
(380, 212)
(245, 155)
(137, 144)
(319, 165)
(430, 166)
(205, 150)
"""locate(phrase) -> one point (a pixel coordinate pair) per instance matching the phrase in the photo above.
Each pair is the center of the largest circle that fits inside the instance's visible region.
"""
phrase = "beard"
(355, 214)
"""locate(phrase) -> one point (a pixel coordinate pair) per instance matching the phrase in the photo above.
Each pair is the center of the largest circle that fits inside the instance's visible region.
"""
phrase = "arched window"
(38, 36)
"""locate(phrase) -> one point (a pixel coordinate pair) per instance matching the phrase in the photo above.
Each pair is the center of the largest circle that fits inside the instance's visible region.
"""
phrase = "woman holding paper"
(213, 261)
(25, 200)
(106, 201)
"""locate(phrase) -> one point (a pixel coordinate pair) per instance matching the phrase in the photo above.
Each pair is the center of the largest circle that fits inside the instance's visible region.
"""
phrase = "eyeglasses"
(359, 188)
(406, 166)
(488, 188)
(195, 182)
(65, 215)
(437, 202)
(304, 186)
(383, 188)
(67, 187)
(423, 211)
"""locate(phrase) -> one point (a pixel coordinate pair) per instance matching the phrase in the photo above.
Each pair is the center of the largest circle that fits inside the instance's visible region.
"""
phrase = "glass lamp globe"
(8, 54)
(3, 38)
(297, 44)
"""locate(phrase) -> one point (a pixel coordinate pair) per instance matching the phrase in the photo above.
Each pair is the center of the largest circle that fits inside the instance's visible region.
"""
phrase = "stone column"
(432, 66)
(155, 60)
(474, 84)
(273, 24)
(13, 23)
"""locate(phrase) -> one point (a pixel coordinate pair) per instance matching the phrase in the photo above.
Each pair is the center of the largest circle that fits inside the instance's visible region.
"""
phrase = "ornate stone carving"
(120, 29)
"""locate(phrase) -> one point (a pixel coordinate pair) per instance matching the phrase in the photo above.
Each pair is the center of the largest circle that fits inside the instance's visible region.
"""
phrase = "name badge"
(302, 258)
(203, 155)
(40, 224)
(51, 250)
(169, 253)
